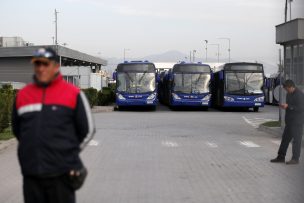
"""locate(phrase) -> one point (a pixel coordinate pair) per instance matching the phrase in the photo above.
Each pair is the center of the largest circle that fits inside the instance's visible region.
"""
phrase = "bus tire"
(256, 109)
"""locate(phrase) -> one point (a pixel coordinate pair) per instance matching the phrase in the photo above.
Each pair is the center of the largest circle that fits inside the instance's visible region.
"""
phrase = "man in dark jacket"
(294, 120)
(52, 122)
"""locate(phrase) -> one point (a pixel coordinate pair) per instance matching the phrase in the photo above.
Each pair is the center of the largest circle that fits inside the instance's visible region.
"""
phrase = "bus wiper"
(130, 78)
(142, 77)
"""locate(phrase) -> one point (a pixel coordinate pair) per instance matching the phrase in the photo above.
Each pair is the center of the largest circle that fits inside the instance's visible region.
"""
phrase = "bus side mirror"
(114, 75)
(221, 74)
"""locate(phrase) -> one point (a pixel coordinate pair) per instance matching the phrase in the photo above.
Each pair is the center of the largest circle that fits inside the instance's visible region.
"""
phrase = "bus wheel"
(153, 108)
(256, 109)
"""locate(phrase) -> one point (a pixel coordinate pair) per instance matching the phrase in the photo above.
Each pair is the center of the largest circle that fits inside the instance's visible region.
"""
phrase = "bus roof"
(135, 66)
(227, 66)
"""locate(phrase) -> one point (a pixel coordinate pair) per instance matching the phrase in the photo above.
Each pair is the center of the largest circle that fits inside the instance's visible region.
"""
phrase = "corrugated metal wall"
(16, 70)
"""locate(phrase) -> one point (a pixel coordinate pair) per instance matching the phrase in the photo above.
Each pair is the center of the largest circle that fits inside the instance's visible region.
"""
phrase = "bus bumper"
(136, 102)
(245, 104)
(202, 103)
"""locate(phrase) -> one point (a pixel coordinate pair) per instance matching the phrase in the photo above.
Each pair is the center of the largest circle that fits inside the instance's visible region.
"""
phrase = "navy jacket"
(51, 124)
(295, 110)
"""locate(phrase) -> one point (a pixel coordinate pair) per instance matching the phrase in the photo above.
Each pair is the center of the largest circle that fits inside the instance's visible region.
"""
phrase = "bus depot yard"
(187, 155)
(177, 156)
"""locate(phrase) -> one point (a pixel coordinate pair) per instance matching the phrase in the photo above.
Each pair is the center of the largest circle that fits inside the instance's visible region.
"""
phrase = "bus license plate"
(258, 104)
(149, 102)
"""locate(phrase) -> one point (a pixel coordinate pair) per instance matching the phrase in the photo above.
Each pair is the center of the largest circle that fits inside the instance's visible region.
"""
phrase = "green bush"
(7, 95)
(91, 95)
(101, 98)
(106, 96)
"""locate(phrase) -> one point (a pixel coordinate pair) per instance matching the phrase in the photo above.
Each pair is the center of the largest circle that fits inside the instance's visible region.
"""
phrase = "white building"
(83, 77)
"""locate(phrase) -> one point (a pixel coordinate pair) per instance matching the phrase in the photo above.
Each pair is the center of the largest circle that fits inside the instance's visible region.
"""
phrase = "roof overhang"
(67, 53)
(291, 32)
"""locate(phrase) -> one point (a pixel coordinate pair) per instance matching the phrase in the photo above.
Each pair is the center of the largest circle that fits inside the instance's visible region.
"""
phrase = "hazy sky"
(149, 27)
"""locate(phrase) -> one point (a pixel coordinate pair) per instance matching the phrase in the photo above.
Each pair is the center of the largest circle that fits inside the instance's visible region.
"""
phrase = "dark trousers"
(292, 132)
(47, 190)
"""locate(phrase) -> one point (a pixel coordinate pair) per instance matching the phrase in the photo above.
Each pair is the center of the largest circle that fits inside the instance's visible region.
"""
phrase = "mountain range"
(177, 56)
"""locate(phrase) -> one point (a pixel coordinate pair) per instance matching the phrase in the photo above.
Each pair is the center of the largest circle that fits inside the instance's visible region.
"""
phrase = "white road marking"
(277, 142)
(256, 122)
(169, 144)
(93, 143)
(211, 144)
(249, 144)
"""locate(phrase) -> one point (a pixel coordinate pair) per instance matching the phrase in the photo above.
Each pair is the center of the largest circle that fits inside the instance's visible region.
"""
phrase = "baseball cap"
(45, 55)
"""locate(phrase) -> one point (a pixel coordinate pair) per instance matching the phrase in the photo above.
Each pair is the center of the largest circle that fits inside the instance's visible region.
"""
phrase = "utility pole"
(280, 78)
(218, 51)
(206, 41)
(190, 56)
(56, 27)
(290, 8)
(286, 9)
(229, 49)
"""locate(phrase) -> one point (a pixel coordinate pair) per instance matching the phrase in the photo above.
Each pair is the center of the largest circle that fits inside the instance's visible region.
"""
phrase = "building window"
(288, 62)
(73, 79)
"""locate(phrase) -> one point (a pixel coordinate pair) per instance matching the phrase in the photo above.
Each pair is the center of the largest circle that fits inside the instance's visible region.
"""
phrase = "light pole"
(206, 41)
(194, 52)
(229, 49)
(190, 56)
(125, 50)
(218, 51)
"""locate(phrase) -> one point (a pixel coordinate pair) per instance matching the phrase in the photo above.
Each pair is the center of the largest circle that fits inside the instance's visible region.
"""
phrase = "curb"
(100, 109)
(7, 143)
(274, 131)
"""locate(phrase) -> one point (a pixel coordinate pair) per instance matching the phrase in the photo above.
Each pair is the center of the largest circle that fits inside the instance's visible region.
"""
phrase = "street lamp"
(125, 50)
(206, 41)
(229, 49)
(218, 51)
(194, 52)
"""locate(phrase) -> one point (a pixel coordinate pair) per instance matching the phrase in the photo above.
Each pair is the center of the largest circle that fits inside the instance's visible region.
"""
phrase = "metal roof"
(65, 52)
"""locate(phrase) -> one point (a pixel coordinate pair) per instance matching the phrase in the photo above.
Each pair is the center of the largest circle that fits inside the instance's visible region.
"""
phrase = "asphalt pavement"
(177, 157)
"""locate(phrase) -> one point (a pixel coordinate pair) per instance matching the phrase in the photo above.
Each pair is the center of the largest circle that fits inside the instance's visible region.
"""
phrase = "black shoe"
(292, 162)
(278, 160)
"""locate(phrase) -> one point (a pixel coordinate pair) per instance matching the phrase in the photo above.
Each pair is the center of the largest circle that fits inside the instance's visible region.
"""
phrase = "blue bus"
(136, 84)
(271, 83)
(186, 84)
(239, 85)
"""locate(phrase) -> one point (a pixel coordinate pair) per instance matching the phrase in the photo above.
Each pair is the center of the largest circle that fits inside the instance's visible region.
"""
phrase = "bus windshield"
(131, 82)
(244, 83)
(194, 83)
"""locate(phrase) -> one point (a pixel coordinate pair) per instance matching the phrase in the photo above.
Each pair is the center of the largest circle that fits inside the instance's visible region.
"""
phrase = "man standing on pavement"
(52, 122)
(294, 120)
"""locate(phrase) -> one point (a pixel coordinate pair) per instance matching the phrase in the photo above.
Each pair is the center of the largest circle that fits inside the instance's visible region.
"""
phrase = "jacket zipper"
(38, 129)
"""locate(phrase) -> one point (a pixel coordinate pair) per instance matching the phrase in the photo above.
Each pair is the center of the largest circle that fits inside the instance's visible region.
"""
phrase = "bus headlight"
(120, 97)
(229, 99)
(208, 97)
(260, 99)
(152, 96)
(175, 96)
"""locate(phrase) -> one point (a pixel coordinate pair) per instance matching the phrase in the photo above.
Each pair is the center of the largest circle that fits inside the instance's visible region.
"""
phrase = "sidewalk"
(100, 109)
(4, 144)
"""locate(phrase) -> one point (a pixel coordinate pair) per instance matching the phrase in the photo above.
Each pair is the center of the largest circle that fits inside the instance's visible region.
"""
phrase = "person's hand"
(284, 106)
